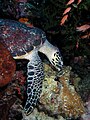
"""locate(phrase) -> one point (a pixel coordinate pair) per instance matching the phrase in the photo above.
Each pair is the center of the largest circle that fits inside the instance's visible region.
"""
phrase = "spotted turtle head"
(53, 55)
(56, 59)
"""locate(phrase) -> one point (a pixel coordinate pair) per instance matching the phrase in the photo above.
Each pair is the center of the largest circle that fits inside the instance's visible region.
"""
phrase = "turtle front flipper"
(34, 83)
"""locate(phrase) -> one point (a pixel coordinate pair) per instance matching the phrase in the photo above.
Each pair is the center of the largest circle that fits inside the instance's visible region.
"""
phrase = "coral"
(40, 116)
(61, 97)
(5, 104)
(19, 75)
(7, 66)
(71, 103)
(16, 9)
(84, 87)
(18, 83)
(58, 100)
(9, 104)
(86, 116)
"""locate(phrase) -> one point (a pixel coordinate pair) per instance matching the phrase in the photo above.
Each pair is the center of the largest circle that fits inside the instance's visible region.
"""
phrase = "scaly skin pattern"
(34, 84)
(18, 38)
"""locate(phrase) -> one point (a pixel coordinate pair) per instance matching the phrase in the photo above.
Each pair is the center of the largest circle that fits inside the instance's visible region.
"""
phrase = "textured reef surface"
(60, 98)
(6, 64)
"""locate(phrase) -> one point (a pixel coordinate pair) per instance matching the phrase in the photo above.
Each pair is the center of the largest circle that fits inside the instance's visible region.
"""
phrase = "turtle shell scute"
(7, 66)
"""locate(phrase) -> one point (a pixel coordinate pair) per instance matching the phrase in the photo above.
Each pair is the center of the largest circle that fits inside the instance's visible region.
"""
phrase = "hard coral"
(5, 105)
(7, 66)
(71, 102)
(60, 97)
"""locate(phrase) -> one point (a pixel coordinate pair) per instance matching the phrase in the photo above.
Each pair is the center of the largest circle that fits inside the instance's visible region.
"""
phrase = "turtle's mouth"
(57, 61)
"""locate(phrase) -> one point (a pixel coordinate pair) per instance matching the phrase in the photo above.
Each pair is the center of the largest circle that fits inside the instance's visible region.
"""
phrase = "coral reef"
(40, 116)
(5, 104)
(61, 97)
(86, 116)
(71, 103)
(9, 104)
(84, 87)
(58, 100)
(7, 66)
(12, 97)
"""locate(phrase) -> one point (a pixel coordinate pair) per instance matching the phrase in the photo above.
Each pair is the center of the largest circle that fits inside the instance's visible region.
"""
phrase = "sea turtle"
(24, 43)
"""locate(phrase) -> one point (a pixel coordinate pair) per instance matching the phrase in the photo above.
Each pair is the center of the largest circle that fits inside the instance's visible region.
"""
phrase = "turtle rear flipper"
(34, 83)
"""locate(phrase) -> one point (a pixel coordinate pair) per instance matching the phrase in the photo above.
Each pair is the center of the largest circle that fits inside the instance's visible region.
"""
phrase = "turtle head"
(56, 59)
(53, 55)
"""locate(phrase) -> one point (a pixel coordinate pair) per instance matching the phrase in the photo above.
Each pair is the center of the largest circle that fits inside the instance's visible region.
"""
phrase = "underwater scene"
(44, 59)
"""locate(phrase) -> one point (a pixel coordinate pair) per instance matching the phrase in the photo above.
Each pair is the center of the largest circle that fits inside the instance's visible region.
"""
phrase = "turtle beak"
(57, 61)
